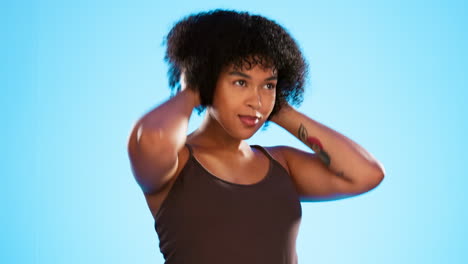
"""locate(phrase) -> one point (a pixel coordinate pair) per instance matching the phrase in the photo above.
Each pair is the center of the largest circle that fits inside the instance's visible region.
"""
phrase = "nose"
(255, 100)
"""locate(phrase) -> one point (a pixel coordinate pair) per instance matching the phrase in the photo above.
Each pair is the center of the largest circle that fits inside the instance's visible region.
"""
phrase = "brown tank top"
(205, 219)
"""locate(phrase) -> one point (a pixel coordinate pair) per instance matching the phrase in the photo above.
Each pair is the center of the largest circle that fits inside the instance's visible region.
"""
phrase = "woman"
(214, 198)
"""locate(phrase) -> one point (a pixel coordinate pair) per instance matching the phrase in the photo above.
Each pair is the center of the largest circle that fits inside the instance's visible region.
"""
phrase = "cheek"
(222, 94)
(270, 100)
(227, 100)
(222, 103)
(221, 107)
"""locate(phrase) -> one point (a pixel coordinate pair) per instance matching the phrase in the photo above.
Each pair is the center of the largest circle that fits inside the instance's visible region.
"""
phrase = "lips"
(249, 120)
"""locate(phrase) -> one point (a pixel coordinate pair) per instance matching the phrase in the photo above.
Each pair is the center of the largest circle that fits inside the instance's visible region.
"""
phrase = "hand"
(186, 88)
(183, 83)
(281, 114)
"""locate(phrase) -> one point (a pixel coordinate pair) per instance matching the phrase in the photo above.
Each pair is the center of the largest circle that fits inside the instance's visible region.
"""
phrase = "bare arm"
(339, 167)
(157, 138)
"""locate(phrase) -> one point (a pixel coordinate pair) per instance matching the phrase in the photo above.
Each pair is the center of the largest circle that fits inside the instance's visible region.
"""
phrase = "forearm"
(340, 154)
(164, 128)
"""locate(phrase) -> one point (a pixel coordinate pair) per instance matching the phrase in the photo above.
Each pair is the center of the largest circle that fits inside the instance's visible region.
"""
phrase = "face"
(243, 99)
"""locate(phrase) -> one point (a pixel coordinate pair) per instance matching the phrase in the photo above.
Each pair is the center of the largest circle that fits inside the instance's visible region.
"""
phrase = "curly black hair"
(202, 44)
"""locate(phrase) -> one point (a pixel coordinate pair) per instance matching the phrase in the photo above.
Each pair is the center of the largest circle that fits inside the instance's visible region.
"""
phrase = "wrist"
(191, 96)
(282, 114)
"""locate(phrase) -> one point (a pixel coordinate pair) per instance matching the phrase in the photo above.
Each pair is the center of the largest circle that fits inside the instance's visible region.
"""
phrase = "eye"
(240, 83)
(270, 86)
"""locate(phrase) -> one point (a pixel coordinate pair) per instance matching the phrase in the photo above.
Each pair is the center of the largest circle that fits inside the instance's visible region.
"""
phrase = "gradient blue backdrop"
(391, 75)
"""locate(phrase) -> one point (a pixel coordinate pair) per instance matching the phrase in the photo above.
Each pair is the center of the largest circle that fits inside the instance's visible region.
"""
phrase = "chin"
(241, 132)
(247, 134)
(247, 137)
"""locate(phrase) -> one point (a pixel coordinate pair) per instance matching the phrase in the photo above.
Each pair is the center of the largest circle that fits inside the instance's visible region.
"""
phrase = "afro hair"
(202, 44)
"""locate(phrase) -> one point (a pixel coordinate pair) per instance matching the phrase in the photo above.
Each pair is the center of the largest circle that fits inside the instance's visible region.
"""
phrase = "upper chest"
(239, 170)
(234, 169)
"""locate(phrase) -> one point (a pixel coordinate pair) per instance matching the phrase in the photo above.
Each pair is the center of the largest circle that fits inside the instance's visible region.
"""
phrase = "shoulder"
(277, 152)
(155, 199)
(289, 157)
(182, 158)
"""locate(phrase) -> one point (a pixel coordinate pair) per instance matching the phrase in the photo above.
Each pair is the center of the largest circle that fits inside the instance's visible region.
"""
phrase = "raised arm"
(339, 168)
(156, 139)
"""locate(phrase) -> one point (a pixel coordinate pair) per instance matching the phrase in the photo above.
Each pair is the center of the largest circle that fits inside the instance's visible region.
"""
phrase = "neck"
(211, 134)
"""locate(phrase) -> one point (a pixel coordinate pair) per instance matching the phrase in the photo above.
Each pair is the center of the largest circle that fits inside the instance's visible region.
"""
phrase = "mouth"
(248, 120)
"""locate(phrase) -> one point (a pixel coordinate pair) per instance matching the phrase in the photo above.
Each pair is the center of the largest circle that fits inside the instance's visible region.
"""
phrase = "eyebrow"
(248, 76)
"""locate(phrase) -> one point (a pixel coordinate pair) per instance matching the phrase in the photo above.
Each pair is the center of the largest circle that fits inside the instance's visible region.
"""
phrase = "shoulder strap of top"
(189, 148)
(263, 150)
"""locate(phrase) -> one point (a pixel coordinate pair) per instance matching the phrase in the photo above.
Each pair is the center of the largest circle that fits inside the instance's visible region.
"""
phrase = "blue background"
(75, 76)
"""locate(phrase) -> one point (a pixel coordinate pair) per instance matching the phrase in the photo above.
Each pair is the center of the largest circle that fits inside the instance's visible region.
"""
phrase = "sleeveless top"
(205, 219)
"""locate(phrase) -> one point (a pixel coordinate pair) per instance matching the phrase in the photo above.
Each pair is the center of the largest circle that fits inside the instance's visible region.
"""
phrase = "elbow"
(380, 173)
(375, 178)
(369, 180)
(378, 179)
(376, 175)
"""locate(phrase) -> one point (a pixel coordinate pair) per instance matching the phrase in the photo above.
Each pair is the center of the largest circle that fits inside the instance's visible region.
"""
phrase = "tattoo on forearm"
(315, 144)
(302, 134)
(345, 177)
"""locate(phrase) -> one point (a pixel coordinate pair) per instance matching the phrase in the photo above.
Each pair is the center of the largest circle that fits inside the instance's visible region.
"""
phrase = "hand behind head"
(185, 87)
